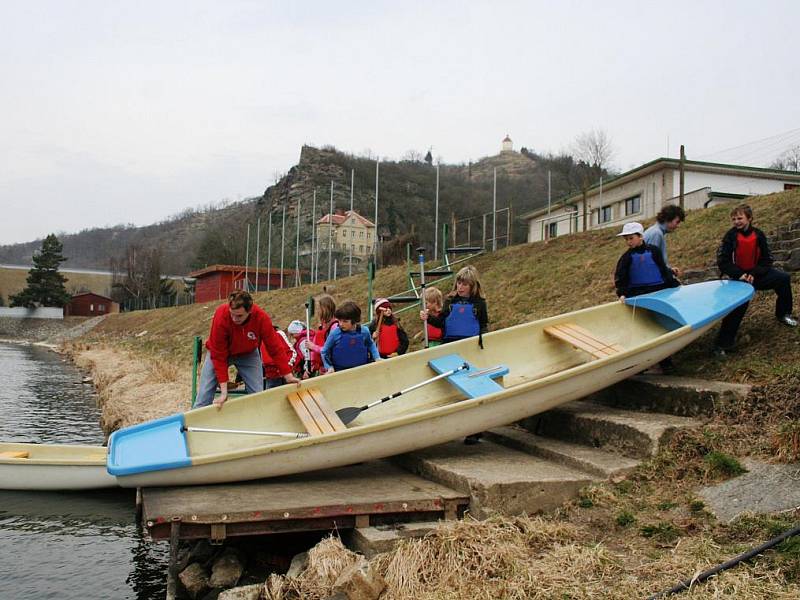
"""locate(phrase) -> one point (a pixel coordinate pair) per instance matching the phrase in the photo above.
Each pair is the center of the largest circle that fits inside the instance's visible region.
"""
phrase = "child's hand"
(622, 299)
(423, 314)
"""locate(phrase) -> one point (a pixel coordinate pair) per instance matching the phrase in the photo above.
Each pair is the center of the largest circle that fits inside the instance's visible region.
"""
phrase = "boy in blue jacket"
(350, 344)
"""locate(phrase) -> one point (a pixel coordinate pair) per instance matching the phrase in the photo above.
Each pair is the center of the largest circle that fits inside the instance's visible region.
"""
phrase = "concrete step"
(594, 461)
(629, 433)
(497, 479)
(682, 396)
(371, 541)
(785, 244)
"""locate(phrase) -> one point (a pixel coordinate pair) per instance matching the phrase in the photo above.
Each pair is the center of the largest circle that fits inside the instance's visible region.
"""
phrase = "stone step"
(681, 396)
(371, 541)
(782, 255)
(790, 244)
(498, 479)
(591, 460)
(629, 433)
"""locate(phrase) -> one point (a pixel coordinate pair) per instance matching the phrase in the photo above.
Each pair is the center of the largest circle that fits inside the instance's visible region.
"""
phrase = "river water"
(84, 545)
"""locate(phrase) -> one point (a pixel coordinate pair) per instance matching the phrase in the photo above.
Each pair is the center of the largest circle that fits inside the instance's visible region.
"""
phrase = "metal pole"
(297, 279)
(436, 220)
(682, 171)
(352, 184)
(494, 213)
(258, 242)
(247, 261)
(377, 237)
(283, 239)
(548, 193)
(330, 236)
(269, 252)
(313, 232)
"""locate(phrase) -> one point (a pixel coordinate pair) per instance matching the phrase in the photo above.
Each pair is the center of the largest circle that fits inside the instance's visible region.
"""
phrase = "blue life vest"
(350, 350)
(644, 270)
(461, 322)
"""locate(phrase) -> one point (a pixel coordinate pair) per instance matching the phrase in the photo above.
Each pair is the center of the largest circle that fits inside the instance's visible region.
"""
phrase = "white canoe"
(53, 467)
(548, 363)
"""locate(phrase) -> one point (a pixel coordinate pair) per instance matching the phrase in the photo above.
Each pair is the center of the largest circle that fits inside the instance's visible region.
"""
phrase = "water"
(85, 545)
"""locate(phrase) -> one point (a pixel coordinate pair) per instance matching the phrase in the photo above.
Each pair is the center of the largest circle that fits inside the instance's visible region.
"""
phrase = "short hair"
(327, 307)
(433, 295)
(669, 212)
(241, 299)
(743, 209)
(349, 311)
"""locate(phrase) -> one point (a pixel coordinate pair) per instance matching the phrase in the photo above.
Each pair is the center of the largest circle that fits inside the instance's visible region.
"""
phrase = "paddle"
(306, 351)
(421, 251)
(350, 413)
(288, 434)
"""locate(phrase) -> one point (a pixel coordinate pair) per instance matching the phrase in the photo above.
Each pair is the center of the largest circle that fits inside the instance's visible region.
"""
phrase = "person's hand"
(622, 299)
(393, 354)
(221, 399)
(306, 375)
(747, 278)
(676, 271)
(290, 378)
(375, 336)
(423, 314)
(331, 370)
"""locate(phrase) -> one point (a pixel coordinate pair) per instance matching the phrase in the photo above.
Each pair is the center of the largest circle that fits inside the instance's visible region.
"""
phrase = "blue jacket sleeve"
(373, 348)
(325, 353)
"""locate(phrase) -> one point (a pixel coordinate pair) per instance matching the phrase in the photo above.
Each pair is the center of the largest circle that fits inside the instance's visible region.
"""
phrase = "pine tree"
(45, 284)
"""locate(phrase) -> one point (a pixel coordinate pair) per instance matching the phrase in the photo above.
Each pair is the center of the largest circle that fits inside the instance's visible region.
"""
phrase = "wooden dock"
(342, 498)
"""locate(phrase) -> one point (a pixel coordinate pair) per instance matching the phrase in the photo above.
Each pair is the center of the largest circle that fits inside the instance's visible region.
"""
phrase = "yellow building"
(351, 232)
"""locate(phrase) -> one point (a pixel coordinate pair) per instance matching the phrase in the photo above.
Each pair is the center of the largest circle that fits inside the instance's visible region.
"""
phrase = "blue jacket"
(346, 350)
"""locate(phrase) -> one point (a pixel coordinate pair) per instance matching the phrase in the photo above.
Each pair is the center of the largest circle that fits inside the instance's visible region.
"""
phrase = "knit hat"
(382, 302)
(296, 327)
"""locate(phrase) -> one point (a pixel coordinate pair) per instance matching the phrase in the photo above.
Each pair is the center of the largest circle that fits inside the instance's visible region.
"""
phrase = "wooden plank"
(333, 419)
(582, 339)
(315, 412)
(300, 408)
(14, 454)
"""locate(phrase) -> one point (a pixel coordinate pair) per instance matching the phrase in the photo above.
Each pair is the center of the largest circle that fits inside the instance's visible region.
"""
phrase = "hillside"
(522, 283)
(217, 234)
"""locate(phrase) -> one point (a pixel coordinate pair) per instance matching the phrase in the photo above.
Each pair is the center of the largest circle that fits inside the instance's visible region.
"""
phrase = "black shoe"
(473, 439)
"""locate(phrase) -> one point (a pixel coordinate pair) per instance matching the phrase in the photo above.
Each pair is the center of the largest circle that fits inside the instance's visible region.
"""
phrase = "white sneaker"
(788, 320)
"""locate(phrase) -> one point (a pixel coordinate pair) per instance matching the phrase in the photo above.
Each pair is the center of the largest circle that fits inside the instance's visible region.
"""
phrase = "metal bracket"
(218, 534)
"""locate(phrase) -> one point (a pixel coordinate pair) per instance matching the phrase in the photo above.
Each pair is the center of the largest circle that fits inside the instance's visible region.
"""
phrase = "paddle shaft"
(415, 386)
(422, 287)
(287, 434)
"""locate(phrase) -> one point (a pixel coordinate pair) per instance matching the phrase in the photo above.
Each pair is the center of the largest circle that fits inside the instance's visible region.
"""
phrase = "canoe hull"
(438, 426)
(55, 467)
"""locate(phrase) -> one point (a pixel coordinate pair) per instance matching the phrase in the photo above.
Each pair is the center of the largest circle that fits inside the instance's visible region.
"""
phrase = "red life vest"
(388, 340)
(747, 251)
(435, 334)
(320, 335)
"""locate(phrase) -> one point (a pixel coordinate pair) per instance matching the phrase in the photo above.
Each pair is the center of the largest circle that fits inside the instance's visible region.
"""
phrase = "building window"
(604, 214)
(633, 205)
(91, 308)
(552, 230)
(361, 234)
(101, 307)
(361, 249)
(353, 233)
(368, 235)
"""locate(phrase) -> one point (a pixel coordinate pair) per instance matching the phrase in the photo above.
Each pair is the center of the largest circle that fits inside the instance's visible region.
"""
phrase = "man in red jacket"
(237, 331)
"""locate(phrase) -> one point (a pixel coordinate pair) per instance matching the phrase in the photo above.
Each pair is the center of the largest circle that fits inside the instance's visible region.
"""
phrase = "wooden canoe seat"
(580, 338)
(315, 412)
(15, 454)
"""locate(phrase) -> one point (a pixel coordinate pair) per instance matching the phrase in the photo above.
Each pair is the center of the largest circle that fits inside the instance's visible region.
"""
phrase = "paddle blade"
(349, 414)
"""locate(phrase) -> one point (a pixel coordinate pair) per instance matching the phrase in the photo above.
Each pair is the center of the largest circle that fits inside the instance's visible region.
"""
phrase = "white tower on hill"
(508, 145)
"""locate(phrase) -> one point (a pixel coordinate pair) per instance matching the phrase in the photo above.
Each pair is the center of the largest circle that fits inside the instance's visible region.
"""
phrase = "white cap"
(631, 228)
(295, 327)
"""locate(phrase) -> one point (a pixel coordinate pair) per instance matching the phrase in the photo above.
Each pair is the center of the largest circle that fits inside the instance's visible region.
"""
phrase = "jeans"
(248, 366)
(771, 280)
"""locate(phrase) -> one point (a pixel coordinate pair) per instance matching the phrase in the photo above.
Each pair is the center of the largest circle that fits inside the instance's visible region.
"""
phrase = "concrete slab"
(629, 433)
(371, 541)
(594, 461)
(497, 479)
(682, 396)
(765, 488)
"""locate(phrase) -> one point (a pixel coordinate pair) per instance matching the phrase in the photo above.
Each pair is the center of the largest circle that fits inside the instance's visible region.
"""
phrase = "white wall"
(32, 313)
(732, 184)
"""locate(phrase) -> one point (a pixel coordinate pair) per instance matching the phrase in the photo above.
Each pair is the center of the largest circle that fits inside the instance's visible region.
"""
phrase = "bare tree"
(594, 148)
(412, 156)
(789, 160)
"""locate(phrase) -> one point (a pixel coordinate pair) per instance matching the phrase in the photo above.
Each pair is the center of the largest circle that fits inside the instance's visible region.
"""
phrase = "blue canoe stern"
(151, 446)
(695, 305)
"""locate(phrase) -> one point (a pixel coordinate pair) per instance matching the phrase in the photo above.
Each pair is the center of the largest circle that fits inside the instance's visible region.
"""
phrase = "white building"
(508, 145)
(640, 193)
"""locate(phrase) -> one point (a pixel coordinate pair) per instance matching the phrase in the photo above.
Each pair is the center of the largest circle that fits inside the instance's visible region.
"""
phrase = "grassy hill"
(522, 283)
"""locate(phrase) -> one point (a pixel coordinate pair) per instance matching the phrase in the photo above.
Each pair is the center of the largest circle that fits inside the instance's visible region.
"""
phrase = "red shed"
(89, 304)
(217, 281)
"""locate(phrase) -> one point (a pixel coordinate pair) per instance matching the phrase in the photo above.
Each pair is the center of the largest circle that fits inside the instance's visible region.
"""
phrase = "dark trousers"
(772, 280)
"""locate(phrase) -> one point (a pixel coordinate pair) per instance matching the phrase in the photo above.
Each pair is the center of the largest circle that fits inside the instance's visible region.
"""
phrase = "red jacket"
(228, 339)
(270, 364)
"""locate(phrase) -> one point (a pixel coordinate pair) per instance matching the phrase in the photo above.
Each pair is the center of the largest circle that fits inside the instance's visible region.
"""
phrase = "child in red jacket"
(390, 337)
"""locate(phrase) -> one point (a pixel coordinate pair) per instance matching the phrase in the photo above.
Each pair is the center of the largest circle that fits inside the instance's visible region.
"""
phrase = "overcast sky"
(128, 112)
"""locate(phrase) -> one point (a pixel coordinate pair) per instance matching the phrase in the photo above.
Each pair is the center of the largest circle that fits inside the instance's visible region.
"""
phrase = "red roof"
(339, 219)
(236, 269)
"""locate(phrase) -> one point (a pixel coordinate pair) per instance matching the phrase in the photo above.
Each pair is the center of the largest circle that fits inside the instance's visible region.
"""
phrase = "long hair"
(327, 307)
(468, 274)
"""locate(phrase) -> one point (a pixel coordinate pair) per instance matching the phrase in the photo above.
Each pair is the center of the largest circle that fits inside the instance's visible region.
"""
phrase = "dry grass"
(12, 281)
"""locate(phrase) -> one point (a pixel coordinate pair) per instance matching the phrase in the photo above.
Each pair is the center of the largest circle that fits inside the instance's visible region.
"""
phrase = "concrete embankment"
(45, 330)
